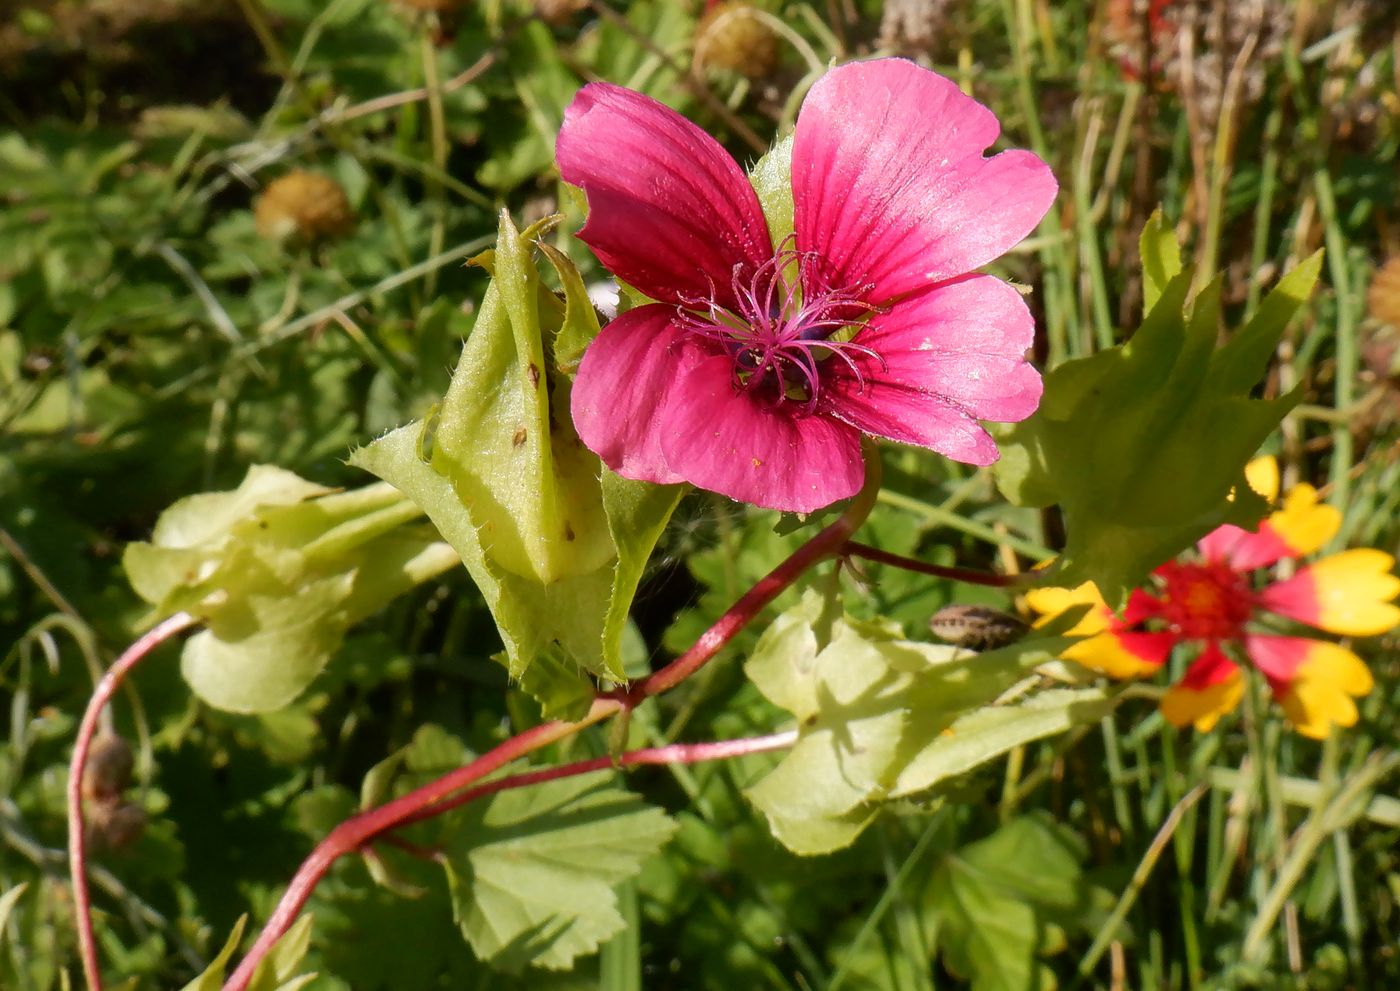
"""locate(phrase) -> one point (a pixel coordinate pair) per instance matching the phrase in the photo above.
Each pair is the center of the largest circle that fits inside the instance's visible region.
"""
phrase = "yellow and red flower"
(1215, 601)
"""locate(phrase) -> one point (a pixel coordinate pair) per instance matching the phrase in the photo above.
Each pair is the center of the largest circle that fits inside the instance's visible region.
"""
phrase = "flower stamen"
(788, 326)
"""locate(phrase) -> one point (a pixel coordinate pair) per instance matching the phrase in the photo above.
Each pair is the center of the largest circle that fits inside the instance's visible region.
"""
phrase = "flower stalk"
(77, 835)
(450, 790)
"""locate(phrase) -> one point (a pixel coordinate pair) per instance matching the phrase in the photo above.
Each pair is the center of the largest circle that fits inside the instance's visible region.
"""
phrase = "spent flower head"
(1221, 604)
(760, 365)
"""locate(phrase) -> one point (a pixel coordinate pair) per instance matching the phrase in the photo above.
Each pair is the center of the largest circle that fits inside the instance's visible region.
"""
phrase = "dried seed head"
(1383, 299)
(1213, 34)
(558, 11)
(108, 770)
(114, 825)
(733, 36)
(911, 27)
(303, 206)
(976, 627)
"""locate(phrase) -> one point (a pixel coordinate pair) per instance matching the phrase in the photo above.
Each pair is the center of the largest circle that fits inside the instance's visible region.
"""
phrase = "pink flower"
(760, 365)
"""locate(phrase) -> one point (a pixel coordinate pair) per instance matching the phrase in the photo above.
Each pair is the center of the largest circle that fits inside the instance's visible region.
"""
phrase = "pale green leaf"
(529, 616)
(505, 440)
(264, 651)
(1161, 258)
(772, 181)
(580, 322)
(1243, 358)
(1141, 443)
(8, 901)
(199, 518)
(984, 734)
(276, 971)
(278, 569)
(532, 871)
(637, 514)
(870, 709)
(993, 903)
(213, 977)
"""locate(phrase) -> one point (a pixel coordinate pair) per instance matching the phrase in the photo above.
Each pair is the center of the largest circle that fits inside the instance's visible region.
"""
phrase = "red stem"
(675, 753)
(827, 543)
(102, 693)
(971, 576)
(358, 830)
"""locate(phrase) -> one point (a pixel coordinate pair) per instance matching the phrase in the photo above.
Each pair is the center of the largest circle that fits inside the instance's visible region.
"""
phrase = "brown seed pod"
(115, 825)
(108, 769)
(733, 36)
(558, 11)
(303, 206)
(1383, 298)
(976, 627)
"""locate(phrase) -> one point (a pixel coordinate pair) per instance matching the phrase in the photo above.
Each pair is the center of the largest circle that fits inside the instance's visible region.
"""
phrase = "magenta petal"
(669, 210)
(948, 357)
(890, 186)
(622, 383)
(729, 443)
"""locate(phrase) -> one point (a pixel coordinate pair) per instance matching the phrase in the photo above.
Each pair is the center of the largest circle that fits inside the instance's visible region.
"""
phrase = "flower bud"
(734, 37)
(108, 770)
(303, 206)
(115, 825)
(558, 11)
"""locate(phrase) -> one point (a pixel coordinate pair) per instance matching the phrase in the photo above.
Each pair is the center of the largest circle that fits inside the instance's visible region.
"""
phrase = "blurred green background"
(235, 233)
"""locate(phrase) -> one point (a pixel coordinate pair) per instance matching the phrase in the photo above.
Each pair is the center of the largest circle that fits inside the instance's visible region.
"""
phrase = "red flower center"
(789, 328)
(1205, 601)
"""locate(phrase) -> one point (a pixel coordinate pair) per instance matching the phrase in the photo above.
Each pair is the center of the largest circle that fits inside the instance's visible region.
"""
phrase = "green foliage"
(276, 972)
(772, 181)
(277, 570)
(1139, 444)
(880, 717)
(532, 872)
(999, 903)
(556, 550)
(153, 344)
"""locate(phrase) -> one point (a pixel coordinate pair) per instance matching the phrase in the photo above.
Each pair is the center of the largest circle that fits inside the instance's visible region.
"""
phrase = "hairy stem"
(355, 832)
(433, 798)
(77, 840)
(674, 753)
(828, 543)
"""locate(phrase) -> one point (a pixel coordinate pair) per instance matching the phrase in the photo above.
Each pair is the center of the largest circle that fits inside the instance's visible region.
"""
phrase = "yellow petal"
(1262, 476)
(1320, 697)
(1050, 602)
(1106, 653)
(1303, 523)
(1354, 589)
(1202, 707)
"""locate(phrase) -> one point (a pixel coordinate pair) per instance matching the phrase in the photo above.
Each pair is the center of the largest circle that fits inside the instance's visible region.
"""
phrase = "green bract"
(880, 718)
(1140, 444)
(277, 570)
(554, 541)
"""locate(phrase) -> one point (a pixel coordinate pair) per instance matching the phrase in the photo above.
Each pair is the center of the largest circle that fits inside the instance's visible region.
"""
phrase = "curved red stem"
(355, 832)
(674, 753)
(853, 548)
(102, 693)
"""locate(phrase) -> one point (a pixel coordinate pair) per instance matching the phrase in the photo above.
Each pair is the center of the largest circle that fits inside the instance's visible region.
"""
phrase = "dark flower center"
(790, 327)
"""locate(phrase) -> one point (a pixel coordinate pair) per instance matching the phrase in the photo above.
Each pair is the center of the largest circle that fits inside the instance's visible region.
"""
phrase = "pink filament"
(781, 322)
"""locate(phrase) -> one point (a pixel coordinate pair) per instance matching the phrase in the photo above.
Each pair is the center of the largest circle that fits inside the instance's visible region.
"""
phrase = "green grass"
(153, 345)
